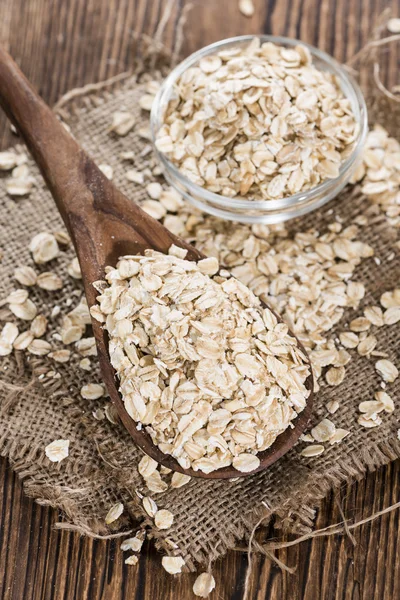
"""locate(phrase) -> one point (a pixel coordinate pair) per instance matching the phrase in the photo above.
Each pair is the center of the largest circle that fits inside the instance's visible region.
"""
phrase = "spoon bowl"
(104, 225)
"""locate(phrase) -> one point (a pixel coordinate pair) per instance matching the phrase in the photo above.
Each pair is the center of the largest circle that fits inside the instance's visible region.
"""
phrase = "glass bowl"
(262, 211)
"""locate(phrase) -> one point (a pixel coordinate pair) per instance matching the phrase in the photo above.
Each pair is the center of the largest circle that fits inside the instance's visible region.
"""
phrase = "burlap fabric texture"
(210, 516)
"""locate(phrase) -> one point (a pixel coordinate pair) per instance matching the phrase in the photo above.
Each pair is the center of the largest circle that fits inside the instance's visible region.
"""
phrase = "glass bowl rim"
(281, 203)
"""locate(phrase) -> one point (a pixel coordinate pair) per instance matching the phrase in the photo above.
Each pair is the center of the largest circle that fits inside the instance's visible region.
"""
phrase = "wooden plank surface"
(61, 44)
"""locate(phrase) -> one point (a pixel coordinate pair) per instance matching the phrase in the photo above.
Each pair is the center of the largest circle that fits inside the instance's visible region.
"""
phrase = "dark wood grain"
(61, 44)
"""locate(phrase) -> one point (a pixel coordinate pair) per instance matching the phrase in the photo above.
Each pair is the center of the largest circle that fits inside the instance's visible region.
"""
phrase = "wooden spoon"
(104, 225)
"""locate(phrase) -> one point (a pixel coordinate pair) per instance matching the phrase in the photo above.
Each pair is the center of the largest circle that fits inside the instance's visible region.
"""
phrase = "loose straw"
(372, 47)
(337, 528)
(88, 88)
(83, 530)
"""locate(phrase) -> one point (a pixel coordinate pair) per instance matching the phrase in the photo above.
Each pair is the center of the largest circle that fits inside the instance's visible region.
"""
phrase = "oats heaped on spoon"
(212, 375)
(261, 122)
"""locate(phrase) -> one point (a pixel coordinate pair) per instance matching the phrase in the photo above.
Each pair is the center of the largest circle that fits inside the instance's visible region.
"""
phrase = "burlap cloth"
(210, 516)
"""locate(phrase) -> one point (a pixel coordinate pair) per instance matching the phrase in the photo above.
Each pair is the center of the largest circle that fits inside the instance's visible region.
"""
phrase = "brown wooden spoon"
(104, 225)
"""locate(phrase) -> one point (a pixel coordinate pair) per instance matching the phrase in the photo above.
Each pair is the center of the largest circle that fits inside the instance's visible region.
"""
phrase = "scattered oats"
(163, 519)
(17, 297)
(374, 315)
(9, 160)
(165, 470)
(179, 479)
(39, 347)
(173, 564)
(23, 340)
(360, 324)
(152, 86)
(38, 326)
(343, 358)
(370, 408)
(313, 450)
(62, 238)
(25, 311)
(246, 7)
(114, 513)
(171, 200)
(368, 423)
(146, 101)
(86, 346)
(348, 339)
(154, 190)
(387, 370)
(61, 356)
(324, 431)
(107, 170)
(366, 346)
(44, 247)
(385, 400)
(338, 436)
(306, 437)
(5, 349)
(99, 414)
(204, 585)
(135, 176)
(55, 311)
(25, 276)
(49, 281)
(155, 483)
(8, 336)
(122, 122)
(20, 183)
(93, 391)
(335, 376)
(144, 133)
(147, 466)
(332, 406)
(392, 315)
(134, 543)
(150, 506)
(391, 299)
(74, 269)
(132, 560)
(111, 414)
(393, 25)
(57, 450)
(153, 208)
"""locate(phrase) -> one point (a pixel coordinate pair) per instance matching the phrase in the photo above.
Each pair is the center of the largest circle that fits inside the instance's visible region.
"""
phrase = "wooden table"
(61, 44)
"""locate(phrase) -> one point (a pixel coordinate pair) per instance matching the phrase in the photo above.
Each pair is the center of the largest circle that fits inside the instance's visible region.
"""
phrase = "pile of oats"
(212, 375)
(20, 182)
(259, 122)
